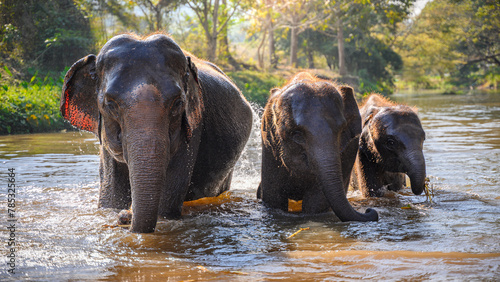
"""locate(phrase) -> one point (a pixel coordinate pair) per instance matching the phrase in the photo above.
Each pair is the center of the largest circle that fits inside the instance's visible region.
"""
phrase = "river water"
(61, 235)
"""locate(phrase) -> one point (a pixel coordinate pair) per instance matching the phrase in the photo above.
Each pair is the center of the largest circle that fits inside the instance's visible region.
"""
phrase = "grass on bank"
(30, 106)
(256, 85)
(30, 109)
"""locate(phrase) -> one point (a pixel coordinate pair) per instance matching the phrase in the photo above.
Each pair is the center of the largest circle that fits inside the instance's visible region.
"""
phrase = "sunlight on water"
(62, 235)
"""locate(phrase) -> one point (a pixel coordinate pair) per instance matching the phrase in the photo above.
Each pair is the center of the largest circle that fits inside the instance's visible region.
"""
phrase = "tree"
(208, 14)
(480, 31)
(122, 10)
(362, 17)
(224, 52)
(51, 34)
(455, 41)
(297, 16)
(263, 17)
(155, 12)
(270, 19)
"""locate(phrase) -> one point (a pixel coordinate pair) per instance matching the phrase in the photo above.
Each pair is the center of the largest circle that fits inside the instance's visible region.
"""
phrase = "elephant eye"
(177, 106)
(111, 105)
(298, 137)
(391, 143)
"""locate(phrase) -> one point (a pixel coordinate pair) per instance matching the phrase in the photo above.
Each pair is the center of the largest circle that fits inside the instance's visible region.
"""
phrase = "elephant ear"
(351, 110)
(79, 96)
(369, 114)
(194, 95)
(269, 126)
(269, 119)
(274, 91)
(367, 144)
(350, 136)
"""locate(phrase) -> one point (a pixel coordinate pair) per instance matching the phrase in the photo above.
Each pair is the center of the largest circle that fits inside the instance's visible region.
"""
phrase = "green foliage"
(46, 34)
(368, 28)
(452, 43)
(31, 107)
(256, 85)
(374, 63)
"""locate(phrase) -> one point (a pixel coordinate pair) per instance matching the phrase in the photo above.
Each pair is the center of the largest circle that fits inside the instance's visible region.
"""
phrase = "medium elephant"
(390, 146)
(310, 133)
(171, 126)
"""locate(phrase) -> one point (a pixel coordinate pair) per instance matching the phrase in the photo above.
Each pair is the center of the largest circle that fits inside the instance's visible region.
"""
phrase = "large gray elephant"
(390, 146)
(310, 133)
(171, 126)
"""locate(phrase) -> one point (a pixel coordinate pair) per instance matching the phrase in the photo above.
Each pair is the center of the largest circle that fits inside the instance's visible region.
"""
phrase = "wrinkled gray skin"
(171, 126)
(390, 146)
(310, 133)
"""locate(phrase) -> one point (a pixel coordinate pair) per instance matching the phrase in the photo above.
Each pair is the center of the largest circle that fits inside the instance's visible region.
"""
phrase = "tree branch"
(485, 58)
(229, 17)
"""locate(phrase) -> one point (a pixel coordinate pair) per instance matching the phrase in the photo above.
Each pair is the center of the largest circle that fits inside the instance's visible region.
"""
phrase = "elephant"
(310, 131)
(171, 126)
(390, 146)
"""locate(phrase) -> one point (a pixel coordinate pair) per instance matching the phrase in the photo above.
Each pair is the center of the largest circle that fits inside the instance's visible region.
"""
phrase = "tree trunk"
(310, 58)
(158, 18)
(340, 38)
(293, 47)
(212, 37)
(224, 52)
(272, 50)
(260, 52)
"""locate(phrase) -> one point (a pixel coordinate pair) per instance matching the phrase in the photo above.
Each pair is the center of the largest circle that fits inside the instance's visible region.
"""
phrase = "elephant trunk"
(331, 180)
(416, 171)
(147, 159)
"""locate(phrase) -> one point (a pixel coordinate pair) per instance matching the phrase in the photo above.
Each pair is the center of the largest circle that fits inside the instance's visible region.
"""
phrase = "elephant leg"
(272, 198)
(274, 182)
(227, 182)
(115, 185)
(369, 177)
(353, 182)
(348, 158)
(272, 191)
(314, 201)
(178, 179)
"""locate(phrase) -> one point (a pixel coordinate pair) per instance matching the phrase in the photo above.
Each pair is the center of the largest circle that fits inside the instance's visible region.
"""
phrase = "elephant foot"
(125, 217)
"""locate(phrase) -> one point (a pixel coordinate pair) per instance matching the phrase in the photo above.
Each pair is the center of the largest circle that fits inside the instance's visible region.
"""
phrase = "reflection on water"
(62, 235)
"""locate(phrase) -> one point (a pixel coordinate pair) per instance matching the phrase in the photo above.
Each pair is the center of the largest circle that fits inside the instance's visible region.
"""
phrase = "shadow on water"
(62, 235)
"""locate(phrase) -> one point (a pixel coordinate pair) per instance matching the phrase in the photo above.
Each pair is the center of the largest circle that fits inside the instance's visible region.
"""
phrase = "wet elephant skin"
(310, 133)
(171, 126)
(390, 146)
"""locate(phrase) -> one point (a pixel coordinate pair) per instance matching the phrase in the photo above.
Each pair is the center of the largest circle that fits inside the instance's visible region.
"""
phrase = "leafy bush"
(256, 85)
(31, 107)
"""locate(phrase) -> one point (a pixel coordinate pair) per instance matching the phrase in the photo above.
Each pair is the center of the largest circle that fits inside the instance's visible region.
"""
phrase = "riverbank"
(33, 107)
(30, 109)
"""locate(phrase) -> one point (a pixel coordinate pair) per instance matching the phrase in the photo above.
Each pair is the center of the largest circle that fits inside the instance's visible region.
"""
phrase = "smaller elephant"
(390, 146)
(310, 133)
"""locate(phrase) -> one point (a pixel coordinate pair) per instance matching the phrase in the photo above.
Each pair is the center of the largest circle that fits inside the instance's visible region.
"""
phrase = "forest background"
(373, 45)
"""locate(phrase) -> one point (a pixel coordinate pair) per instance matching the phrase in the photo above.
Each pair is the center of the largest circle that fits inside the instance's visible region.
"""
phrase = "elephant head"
(392, 138)
(312, 128)
(141, 97)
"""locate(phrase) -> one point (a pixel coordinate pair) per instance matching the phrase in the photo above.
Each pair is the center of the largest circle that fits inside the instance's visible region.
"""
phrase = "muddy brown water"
(61, 235)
